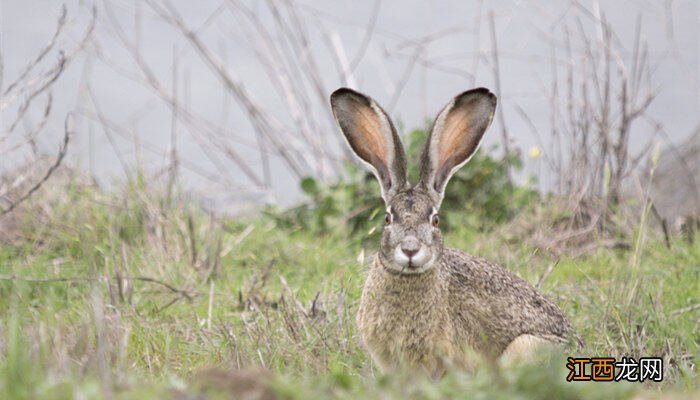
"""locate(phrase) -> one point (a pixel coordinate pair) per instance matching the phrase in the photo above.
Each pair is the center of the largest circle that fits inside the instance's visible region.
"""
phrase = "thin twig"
(59, 158)
(362, 49)
(546, 273)
(686, 309)
(166, 285)
(497, 82)
(662, 221)
(50, 45)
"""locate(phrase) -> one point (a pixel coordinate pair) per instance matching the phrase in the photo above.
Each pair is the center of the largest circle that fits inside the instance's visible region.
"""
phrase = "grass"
(127, 295)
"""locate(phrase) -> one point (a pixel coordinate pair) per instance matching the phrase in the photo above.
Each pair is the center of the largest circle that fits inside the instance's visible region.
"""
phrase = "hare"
(425, 306)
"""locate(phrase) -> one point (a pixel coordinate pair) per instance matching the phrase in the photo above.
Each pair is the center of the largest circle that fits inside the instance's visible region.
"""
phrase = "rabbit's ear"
(454, 138)
(372, 136)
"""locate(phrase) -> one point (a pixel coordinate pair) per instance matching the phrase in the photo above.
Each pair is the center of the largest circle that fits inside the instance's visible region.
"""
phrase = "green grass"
(128, 296)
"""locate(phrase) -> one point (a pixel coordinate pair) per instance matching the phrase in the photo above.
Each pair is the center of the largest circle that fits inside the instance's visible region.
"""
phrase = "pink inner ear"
(369, 127)
(454, 143)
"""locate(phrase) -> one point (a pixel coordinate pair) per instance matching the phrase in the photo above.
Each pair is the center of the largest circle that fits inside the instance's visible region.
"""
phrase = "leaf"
(309, 185)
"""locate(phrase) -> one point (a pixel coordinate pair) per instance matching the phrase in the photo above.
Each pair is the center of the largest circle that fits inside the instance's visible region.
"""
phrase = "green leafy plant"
(352, 201)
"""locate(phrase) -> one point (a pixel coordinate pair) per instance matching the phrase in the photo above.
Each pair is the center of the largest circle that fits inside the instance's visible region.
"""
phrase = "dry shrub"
(598, 100)
(35, 213)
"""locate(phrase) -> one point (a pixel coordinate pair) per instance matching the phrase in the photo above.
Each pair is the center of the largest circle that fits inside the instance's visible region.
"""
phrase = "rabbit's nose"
(409, 252)
(410, 246)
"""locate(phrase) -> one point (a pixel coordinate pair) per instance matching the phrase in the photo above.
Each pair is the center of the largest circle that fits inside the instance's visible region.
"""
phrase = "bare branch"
(401, 83)
(497, 81)
(367, 38)
(59, 158)
(180, 292)
(42, 53)
(53, 76)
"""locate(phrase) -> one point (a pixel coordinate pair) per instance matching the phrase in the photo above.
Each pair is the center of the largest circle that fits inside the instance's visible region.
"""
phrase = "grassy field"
(127, 295)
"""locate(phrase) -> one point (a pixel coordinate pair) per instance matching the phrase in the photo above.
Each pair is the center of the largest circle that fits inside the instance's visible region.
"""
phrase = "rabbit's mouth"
(415, 262)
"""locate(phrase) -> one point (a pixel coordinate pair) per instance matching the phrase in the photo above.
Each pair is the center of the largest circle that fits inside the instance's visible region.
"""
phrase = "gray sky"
(457, 57)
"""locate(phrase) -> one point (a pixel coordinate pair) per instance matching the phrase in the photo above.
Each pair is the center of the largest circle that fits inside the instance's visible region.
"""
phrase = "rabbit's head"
(411, 242)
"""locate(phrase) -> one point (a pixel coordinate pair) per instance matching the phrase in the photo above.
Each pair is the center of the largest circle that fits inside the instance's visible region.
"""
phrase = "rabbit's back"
(490, 306)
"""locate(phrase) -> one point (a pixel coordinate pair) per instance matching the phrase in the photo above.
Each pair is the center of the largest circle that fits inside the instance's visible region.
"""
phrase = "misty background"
(233, 94)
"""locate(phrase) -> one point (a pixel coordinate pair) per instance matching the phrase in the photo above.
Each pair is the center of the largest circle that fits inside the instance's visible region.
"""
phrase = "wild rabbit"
(426, 306)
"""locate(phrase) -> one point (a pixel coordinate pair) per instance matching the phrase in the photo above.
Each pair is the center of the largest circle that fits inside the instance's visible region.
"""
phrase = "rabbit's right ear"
(372, 137)
(454, 138)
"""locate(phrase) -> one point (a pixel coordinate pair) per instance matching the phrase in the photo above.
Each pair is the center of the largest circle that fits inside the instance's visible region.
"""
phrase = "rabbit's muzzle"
(412, 256)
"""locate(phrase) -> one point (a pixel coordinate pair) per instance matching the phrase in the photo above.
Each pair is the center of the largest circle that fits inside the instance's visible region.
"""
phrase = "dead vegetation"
(32, 191)
(24, 168)
(599, 95)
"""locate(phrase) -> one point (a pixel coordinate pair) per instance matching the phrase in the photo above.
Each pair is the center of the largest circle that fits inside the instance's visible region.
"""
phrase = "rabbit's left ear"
(454, 138)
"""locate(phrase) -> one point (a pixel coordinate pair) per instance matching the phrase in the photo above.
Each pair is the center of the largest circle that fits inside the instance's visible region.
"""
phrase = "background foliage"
(480, 195)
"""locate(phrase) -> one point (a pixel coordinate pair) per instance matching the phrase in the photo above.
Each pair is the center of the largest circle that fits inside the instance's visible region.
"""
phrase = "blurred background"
(228, 99)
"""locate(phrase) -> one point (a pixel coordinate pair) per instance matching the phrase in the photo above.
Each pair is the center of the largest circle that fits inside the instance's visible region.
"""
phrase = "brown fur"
(463, 308)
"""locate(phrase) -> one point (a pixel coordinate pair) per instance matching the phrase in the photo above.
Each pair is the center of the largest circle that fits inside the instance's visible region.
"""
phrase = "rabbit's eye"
(387, 218)
(435, 220)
